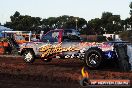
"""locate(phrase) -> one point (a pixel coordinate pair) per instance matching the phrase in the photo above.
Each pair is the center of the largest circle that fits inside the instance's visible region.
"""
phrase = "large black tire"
(93, 58)
(29, 56)
(124, 65)
(123, 58)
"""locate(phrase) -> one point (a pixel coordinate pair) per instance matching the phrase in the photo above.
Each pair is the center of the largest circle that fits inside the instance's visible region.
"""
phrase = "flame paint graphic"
(85, 80)
(84, 73)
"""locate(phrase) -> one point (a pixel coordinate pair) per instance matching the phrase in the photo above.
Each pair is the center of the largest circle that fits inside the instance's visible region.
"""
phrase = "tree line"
(108, 23)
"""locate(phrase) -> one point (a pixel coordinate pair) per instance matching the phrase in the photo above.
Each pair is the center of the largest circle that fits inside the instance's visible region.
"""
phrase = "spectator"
(110, 38)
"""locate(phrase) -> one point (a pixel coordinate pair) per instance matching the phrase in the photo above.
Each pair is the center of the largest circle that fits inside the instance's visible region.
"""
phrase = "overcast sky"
(87, 9)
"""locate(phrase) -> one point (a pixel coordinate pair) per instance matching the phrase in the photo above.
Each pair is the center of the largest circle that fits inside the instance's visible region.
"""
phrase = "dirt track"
(15, 73)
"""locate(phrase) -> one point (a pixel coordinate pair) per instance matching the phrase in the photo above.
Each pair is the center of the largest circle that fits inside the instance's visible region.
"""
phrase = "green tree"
(24, 22)
(108, 23)
(128, 21)
(96, 25)
(130, 8)
(111, 23)
(63, 22)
